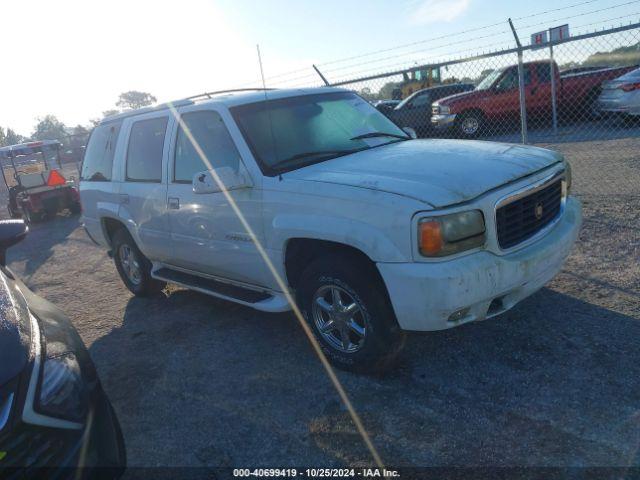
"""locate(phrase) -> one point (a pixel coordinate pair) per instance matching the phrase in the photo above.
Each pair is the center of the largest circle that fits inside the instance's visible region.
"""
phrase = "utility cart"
(33, 175)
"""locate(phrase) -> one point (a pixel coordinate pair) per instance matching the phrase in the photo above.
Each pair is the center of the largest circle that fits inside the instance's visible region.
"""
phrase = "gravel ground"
(201, 382)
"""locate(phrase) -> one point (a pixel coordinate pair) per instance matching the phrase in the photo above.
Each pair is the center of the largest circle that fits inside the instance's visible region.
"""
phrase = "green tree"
(615, 58)
(3, 137)
(108, 113)
(134, 99)
(50, 128)
(13, 138)
(388, 90)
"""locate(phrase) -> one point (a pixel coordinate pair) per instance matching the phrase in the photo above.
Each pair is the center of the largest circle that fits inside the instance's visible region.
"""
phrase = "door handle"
(124, 198)
(173, 203)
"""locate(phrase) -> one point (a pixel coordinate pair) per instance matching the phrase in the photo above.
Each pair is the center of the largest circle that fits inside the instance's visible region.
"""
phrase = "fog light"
(458, 315)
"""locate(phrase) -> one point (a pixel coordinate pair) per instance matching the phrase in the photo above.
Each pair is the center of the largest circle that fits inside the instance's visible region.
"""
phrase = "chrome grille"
(522, 218)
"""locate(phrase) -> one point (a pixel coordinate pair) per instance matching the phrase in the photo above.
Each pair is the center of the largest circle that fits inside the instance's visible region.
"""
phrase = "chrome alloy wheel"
(130, 264)
(470, 125)
(339, 318)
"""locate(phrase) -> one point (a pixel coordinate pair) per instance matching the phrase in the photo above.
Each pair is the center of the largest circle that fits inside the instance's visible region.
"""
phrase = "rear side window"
(144, 155)
(543, 72)
(98, 158)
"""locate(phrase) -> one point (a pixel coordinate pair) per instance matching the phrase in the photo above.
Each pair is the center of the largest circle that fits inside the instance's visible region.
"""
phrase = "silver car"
(622, 95)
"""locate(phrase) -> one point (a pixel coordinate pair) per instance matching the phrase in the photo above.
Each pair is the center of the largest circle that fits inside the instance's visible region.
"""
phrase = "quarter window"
(98, 158)
(144, 156)
(208, 131)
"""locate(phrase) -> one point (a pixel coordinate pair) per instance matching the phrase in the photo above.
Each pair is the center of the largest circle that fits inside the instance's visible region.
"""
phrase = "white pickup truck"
(252, 196)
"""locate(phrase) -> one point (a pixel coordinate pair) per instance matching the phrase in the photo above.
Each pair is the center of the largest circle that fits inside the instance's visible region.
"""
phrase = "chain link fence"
(579, 95)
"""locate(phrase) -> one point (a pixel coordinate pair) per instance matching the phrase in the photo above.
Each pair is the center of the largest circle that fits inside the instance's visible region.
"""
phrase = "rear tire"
(357, 330)
(134, 268)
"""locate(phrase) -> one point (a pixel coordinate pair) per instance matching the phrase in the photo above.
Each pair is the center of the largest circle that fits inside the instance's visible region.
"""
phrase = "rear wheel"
(134, 268)
(346, 306)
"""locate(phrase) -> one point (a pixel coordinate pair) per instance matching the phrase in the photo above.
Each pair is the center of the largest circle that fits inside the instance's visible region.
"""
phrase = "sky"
(72, 58)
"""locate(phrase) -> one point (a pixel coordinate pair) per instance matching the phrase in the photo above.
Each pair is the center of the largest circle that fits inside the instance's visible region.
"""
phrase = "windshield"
(289, 133)
(490, 79)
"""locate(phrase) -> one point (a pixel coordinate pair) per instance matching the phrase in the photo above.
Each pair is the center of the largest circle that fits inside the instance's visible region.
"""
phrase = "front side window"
(421, 101)
(144, 155)
(98, 158)
(510, 79)
(209, 132)
(289, 133)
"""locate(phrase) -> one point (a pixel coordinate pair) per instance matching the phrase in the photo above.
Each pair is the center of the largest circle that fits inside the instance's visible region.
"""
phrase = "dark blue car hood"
(15, 330)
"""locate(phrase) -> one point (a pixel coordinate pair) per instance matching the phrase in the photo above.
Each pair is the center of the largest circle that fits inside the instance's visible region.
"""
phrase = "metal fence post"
(554, 102)
(523, 103)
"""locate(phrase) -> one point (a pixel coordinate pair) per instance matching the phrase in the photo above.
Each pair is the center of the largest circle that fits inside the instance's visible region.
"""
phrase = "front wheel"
(470, 124)
(346, 306)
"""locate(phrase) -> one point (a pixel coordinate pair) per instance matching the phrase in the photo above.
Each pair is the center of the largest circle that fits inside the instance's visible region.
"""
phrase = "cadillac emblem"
(538, 210)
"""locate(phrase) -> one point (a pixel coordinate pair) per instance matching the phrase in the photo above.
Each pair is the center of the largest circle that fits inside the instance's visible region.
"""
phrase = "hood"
(438, 172)
(466, 95)
(15, 330)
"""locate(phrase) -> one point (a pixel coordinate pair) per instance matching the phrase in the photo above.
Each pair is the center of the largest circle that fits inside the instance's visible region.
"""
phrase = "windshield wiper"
(320, 153)
(379, 134)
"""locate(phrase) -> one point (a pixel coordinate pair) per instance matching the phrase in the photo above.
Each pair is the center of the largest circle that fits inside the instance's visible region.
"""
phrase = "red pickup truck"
(496, 98)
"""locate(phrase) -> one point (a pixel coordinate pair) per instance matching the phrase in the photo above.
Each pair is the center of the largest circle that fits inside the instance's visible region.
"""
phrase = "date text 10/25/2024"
(316, 472)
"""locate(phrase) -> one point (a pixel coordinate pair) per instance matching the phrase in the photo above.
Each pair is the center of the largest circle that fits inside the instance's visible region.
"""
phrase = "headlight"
(449, 234)
(444, 110)
(62, 391)
(56, 396)
(568, 175)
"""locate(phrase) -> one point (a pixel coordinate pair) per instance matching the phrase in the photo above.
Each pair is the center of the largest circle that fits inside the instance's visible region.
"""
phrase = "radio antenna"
(267, 110)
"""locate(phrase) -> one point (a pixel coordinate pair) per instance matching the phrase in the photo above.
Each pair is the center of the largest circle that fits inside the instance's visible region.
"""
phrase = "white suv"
(374, 231)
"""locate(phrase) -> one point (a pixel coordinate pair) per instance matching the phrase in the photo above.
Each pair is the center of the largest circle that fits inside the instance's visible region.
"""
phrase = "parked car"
(496, 98)
(415, 110)
(385, 106)
(55, 419)
(373, 232)
(622, 96)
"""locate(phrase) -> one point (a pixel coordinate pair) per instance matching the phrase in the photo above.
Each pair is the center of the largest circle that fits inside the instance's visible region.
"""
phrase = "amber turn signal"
(431, 241)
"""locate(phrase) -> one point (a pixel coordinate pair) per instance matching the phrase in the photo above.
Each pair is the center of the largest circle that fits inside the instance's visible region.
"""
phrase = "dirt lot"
(201, 382)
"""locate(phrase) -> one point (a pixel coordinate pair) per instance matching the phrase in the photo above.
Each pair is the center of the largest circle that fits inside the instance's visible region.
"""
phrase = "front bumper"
(425, 295)
(442, 121)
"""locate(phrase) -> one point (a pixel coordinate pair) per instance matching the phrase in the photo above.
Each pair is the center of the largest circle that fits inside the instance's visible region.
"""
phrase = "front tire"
(345, 304)
(134, 268)
(470, 124)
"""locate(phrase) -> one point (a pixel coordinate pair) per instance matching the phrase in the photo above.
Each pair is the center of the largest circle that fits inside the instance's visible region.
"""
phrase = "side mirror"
(219, 179)
(410, 131)
(11, 232)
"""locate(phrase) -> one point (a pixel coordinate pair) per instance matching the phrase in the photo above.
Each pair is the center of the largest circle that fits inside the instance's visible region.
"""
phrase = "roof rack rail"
(176, 103)
(233, 90)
